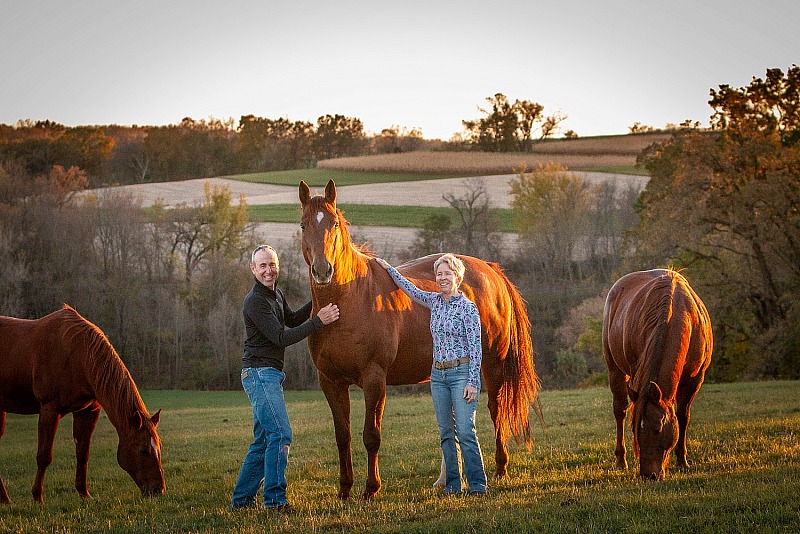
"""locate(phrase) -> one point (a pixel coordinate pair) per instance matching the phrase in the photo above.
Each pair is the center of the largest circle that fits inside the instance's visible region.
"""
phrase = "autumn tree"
(725, 205)
(213, 226)
(268, 145)
(551, 208)
(338, 136)
(509, 127)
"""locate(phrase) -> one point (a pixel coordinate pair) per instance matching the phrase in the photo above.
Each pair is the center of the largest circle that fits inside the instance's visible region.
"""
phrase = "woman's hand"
(470, 394)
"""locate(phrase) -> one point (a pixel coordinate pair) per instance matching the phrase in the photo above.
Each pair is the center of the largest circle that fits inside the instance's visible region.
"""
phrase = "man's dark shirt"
(266, 315)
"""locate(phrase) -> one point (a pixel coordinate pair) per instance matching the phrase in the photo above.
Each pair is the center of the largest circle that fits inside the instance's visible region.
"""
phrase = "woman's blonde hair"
(455, 264)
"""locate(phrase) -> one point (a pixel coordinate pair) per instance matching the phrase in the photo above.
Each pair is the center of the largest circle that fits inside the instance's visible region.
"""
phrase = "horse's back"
(643, 305)
(485, 285)
(17, 350)
(36, 358)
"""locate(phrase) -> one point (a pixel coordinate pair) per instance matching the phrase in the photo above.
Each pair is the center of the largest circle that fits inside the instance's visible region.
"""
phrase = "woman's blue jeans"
(456, 419)
(268, 455)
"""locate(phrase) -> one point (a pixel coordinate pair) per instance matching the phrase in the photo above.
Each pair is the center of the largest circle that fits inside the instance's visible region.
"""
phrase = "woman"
(456, 372)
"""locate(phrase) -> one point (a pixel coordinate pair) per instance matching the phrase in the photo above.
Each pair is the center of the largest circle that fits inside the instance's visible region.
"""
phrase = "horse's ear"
(305, 193)
(136, 420)
(156, 418)
(330, 192)
(655, 392)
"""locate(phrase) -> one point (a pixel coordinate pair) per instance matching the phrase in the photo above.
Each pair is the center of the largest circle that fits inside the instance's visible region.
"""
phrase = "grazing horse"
(657, 343)
(62, 363)
(383, 337)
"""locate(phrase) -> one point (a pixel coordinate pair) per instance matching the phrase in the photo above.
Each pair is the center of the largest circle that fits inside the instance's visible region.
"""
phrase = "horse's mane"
(112, 382)
(660, 298)
(658, 314)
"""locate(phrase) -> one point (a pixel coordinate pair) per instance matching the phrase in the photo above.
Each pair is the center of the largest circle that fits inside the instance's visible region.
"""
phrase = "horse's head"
(323, 236)
(655, 431)
(139, 453)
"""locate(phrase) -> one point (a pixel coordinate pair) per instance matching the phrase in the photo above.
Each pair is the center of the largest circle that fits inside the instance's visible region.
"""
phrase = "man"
(266, 318)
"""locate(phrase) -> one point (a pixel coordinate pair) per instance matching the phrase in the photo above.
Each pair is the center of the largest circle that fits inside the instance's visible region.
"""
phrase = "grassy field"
(374, 215)
(744, 442)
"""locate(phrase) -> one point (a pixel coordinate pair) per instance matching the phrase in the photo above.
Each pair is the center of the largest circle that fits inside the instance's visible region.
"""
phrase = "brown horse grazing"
(62, 363)
(383, 337)
(657, 343)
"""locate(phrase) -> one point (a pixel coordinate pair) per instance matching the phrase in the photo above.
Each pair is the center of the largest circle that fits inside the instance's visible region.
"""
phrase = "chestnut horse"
(62, 363)
(657, 343)
(383, 337)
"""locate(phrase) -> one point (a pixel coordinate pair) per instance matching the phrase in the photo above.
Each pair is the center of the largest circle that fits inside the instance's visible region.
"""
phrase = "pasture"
(744, 446)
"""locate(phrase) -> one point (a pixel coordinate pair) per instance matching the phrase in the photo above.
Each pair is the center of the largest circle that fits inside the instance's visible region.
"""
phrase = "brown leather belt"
(450, 363)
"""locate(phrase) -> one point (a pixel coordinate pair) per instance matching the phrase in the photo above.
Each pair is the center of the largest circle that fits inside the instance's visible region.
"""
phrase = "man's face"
(265, 267)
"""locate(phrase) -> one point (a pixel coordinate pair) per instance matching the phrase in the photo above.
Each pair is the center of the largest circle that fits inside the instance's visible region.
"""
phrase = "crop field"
(744, 445)
(615, 154)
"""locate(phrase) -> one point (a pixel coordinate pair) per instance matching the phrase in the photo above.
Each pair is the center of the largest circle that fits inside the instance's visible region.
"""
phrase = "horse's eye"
(302, 226)
(336, 224)
(144, 452)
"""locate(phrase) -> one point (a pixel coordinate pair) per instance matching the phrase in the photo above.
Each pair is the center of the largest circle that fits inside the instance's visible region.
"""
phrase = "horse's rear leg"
(338, 396)
(83, 425)
(493, 385)
(3, 493)
(619, 392)
(374, 402)
(48, 424)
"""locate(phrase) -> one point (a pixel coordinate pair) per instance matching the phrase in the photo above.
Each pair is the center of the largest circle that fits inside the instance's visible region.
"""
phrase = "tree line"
(166, 285)
(115, 154)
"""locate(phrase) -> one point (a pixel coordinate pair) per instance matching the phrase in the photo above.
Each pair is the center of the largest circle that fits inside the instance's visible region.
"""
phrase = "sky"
(604, 64)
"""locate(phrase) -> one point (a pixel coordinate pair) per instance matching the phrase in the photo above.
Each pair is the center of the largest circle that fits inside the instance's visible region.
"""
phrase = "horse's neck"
(351, 266)
(117, 394)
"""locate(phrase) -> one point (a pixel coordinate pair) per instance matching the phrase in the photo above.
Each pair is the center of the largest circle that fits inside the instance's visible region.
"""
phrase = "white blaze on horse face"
(155, 449)
(320, 216)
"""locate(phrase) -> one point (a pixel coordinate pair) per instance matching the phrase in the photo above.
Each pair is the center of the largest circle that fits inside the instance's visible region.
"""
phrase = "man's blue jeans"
(456, 419)
(268, 455)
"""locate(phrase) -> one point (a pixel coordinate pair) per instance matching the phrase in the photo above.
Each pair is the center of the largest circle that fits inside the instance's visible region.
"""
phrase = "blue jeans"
(268, 455)
(456, 419)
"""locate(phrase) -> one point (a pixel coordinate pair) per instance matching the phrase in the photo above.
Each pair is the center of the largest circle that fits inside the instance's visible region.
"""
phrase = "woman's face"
(447, 279)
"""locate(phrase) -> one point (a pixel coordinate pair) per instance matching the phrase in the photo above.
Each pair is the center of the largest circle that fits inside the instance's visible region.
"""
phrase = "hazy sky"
(424, 64)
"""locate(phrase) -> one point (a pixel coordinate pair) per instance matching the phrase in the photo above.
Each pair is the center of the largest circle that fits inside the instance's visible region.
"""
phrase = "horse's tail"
(520, 388)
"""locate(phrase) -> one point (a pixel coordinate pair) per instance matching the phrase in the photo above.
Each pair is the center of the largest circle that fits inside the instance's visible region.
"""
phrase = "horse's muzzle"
(324, 278)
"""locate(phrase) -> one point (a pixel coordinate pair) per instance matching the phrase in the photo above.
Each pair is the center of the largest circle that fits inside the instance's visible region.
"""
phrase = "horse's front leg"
(3, 493)
(83, 425)
(374, 401)
(338, 396)
(48, 424)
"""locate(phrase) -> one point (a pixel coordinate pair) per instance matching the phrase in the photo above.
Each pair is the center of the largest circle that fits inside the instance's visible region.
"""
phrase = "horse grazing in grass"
(383, 337)
(657, 343)
(62, 363)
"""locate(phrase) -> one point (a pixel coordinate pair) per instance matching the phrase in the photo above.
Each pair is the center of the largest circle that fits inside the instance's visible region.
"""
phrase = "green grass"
(617, 169)
(320, 177)
(374, 215)
(744, 442)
